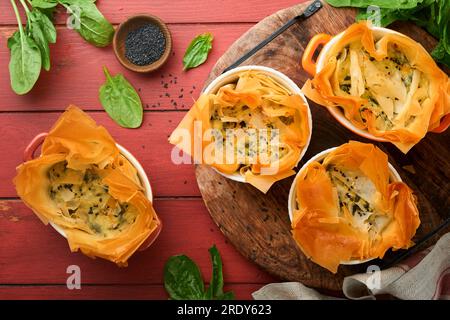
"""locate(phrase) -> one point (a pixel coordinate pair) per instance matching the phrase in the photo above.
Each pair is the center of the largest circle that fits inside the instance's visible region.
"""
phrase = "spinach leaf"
(387, 16)
(47, 7)
(215, 288)
(121, 101)
(226, 296)
(432, 15)
(182, 279)
(44, 4)
(46, 24)
(402, 4)
(89, 22)
(43, 32)
(197, 51)
(440, 54)
(25, 61)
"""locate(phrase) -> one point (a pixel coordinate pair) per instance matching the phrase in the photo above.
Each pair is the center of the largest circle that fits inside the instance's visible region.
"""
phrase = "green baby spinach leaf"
(197, 51)
(226, 296)
(47, 7)
(46, 25)
(215, 288)
(89, 22)
(121, 101)
(440, 54)
(432, 15)
(387, 16)
(43, 32)
(400, 4)
(29, 46)
(183, 281)
(44, 4)
(25, 59)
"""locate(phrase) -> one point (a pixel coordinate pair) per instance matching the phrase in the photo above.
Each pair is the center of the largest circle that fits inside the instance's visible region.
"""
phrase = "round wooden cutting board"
(257, 224)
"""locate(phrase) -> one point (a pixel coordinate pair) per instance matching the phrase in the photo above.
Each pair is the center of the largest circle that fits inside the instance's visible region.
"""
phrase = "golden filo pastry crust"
(254, 101)
(348, 209)
(389, 86)
(84, 185)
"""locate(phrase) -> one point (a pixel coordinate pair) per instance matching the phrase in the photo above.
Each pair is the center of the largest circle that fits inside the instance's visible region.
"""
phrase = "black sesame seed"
(145, 45)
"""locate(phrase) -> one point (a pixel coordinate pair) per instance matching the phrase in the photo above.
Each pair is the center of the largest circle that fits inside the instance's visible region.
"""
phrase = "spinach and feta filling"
(258, 131)
(393, 88)
(357, 196)
(82, 196)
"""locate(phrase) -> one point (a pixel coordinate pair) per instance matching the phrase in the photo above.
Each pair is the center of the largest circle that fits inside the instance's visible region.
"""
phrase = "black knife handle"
(310, 10)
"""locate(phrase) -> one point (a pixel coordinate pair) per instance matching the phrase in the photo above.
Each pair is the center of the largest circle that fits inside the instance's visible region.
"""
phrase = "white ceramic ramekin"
(39, 139)
(292, 201)
(232, 75)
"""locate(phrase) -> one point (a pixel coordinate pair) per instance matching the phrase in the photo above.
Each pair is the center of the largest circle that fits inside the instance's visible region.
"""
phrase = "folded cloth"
(424, 276)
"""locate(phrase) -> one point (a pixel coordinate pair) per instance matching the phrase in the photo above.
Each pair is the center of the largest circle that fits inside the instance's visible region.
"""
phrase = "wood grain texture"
(257, 224)
(32, 253)
(178, 11)
(34, 258)
(110, 292)
(76, 73)
(148, 144)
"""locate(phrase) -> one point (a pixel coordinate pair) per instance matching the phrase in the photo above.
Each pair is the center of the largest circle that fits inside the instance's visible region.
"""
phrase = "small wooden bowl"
(134, 23)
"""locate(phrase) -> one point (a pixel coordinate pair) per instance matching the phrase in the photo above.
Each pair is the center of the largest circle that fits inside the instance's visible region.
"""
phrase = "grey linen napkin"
(423, 276)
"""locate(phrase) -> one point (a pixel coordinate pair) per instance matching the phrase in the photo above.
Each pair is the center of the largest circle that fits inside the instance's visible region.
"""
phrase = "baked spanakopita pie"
(384, 82)
(253, 104)
(82, 184)
(348, 208)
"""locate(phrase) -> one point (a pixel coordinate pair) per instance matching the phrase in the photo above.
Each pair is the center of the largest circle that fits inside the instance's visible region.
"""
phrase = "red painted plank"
(114, 292)
(31, 253)
(77, 75)
(181, 11)
(148, 144)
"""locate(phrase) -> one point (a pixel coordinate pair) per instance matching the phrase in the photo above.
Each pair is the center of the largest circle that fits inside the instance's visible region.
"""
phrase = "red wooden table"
(33, 257)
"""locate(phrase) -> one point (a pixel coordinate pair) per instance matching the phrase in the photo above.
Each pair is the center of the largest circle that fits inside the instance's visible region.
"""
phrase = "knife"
(310, 10)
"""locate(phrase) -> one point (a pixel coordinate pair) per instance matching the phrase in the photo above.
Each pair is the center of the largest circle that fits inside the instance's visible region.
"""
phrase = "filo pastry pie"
(85, 186)
(348, 209)
(389, 86)
(255, 101)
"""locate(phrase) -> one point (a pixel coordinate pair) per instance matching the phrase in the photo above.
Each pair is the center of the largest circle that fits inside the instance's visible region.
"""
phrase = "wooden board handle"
(307, 60)
(28, 154)
(445, 123)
